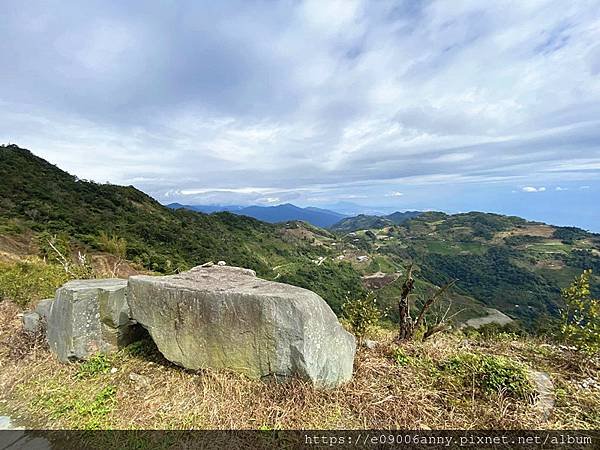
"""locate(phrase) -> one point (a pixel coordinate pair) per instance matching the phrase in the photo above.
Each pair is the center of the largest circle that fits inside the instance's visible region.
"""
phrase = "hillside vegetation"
(364, 221)
(38, 199)
(502, 262)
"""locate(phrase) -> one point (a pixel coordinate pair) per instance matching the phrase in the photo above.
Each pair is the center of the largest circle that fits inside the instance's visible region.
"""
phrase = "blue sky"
(451, 105)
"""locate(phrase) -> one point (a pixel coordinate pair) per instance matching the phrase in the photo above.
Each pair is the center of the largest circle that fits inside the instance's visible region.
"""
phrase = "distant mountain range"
(323, 218)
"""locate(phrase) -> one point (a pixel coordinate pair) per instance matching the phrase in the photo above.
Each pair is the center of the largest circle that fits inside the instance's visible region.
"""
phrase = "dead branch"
(430, 302)
(405, 320)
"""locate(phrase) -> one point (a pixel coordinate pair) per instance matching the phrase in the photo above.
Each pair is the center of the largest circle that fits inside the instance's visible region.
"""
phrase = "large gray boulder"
(226, 317)
(89, 316)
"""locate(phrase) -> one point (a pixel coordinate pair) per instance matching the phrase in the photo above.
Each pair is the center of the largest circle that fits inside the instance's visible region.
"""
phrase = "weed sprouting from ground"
(489, 374)
(96, 365)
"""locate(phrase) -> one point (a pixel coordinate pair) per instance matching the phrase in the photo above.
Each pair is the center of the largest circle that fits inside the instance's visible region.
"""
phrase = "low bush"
(494, 331)
(96, 365)
(581, 317)
(361, 314)
(28, 281)
(488, 373)
(401, 358)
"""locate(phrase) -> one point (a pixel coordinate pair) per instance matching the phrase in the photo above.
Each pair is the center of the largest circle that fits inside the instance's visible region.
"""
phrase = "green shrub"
(31, 280)
(113, 244)
(495, 331)
(489, 374)
(96, 365)
(361, 314)
(54, 248)
(401, 358)
(581, 317)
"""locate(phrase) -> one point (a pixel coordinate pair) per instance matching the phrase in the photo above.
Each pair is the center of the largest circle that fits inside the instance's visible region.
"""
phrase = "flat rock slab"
(494, 316)
(226, 317)
(89, 316)
(545, 389)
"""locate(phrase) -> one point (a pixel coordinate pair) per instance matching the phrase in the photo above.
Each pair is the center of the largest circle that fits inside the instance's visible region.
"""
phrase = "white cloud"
(558, 188)
(270, 200)
(395, 194)
(300, 98)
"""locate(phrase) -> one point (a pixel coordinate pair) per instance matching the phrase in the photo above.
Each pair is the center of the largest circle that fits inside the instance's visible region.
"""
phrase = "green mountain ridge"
(365, 221)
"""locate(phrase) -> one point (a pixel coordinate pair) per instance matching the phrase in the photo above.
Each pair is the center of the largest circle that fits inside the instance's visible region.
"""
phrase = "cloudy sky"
(450, 105)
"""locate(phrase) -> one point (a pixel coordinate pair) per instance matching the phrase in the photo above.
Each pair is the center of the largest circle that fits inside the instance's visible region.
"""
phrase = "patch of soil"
(378, 280)
(12, 246)
(106, 263)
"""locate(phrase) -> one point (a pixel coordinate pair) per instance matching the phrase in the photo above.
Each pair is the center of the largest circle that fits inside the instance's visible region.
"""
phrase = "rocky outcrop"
(210, 317)
(226, 317)
(89, 316)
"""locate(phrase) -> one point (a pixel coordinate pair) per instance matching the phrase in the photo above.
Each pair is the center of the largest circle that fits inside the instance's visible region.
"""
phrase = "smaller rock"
(5, 423)
(221, 263)
(43, 307)
(89, 316)
(545, 389)
(114, 370)
(370, 344)
(139, 379)
(590, 383)
(32, 322)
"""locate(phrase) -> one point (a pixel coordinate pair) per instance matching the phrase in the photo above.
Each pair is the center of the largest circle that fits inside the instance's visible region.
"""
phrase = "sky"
(397, 105)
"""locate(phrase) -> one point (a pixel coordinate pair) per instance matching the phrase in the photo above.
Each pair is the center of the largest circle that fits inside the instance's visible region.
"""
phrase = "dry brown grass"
(382, 394)
(17, 245)
(107, 265)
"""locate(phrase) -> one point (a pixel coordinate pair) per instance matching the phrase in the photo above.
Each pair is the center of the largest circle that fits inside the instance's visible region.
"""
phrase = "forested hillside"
(505, 262)
(38, 197)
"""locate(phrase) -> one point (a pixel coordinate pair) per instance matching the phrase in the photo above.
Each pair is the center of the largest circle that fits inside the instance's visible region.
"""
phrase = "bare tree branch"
(405, 331)
(430, 302)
